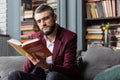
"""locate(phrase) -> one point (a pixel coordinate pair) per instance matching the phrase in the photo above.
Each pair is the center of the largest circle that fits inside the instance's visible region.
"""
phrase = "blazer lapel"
(57, 44)
(56, 49)
(43, 40)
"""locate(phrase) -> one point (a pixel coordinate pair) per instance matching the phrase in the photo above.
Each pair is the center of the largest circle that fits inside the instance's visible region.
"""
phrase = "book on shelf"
(94, 36)
(114, 7)
(92, 0)
(28, 14)
(95, 30)
(109, 8)
(118, 7)
(118, 43)
(25, 36)
(105, 8)
(96, 26)
(33, 47)
(100, 9)
(27, 27)
(28, 32)
(117, 35)
(28, 22)
(93, 10)
(88, 7)
(118, 29)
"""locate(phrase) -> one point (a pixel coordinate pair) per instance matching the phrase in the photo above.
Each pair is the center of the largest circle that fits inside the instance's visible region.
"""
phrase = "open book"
(32, 47)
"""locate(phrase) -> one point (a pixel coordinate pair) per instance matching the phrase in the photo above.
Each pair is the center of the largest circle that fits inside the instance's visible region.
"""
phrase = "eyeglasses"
(43, 19)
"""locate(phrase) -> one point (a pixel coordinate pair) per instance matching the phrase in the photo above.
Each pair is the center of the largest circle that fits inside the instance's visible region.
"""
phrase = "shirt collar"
(48, 40)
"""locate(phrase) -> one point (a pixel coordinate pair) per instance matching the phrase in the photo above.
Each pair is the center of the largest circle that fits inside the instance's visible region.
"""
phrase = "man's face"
(46, 22)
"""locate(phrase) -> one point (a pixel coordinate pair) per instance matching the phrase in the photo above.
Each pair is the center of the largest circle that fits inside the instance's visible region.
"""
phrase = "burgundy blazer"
(64, 54)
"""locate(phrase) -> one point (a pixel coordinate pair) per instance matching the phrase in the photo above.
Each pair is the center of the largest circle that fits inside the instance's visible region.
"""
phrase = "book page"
(14, 41)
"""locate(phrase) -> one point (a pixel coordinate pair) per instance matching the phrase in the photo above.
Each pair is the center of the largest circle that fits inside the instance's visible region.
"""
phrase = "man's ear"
(55, 17)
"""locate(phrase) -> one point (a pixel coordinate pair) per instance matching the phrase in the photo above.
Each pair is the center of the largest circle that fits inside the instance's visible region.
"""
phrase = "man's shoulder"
(67, 32)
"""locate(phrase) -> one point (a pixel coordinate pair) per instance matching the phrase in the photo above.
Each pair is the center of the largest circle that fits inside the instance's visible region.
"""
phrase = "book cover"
(104, 8)
(100, 9)
(118, 7)
(93, 0)
(88, 14)
(32, 47)
(93, 9)
(28, 14)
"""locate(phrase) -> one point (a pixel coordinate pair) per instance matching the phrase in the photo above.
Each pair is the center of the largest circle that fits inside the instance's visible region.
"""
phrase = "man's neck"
(52, 36)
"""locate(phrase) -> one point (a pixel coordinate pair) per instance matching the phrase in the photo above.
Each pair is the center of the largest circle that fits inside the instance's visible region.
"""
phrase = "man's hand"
(39, 62)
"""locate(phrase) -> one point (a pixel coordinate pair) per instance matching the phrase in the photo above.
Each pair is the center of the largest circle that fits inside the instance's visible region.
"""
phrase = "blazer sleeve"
(28, 66)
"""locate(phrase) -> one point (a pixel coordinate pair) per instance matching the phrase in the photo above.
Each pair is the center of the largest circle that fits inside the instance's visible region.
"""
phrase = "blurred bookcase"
(97, 14)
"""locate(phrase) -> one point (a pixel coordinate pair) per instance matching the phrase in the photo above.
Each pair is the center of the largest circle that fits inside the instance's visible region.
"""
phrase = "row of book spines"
(29, 27)
(102, 9)
(111, 32)
(95, 35)
(101, 36)
(28, 21)
(27, 32)
(113, 41)
(99, 27)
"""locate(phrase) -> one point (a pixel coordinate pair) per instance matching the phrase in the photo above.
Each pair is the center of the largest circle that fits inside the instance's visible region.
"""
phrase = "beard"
(50, 31)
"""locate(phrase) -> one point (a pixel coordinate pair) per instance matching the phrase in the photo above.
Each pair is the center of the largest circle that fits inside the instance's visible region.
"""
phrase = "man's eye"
(38, 21)
(45, 18)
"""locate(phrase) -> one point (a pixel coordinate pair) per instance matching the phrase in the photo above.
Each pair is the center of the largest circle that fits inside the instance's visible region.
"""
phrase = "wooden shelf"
(4, 35)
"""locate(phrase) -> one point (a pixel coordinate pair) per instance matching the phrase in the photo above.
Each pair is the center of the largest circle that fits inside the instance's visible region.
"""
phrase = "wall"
(70, 17)
(3, 17)
(14, 18)
(9, 24)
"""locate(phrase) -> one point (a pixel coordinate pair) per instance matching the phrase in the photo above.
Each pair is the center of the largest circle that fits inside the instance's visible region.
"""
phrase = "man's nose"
(42, 22)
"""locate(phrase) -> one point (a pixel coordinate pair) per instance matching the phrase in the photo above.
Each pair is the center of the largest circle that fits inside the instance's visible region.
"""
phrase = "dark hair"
(44, 7)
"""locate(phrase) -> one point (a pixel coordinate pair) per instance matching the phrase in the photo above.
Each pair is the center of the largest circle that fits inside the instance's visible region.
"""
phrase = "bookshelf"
(97, 15)
(28, 24)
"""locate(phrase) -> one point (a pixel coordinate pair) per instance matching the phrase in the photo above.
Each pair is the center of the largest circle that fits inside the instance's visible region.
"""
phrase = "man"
(61, 42)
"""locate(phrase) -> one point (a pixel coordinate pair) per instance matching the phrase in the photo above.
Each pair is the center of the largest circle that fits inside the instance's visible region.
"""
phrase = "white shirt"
(50, 45)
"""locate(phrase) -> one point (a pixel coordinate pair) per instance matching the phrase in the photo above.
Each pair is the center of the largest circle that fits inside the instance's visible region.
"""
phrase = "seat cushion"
(112, 73)
(98, 58)
(8, 64)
